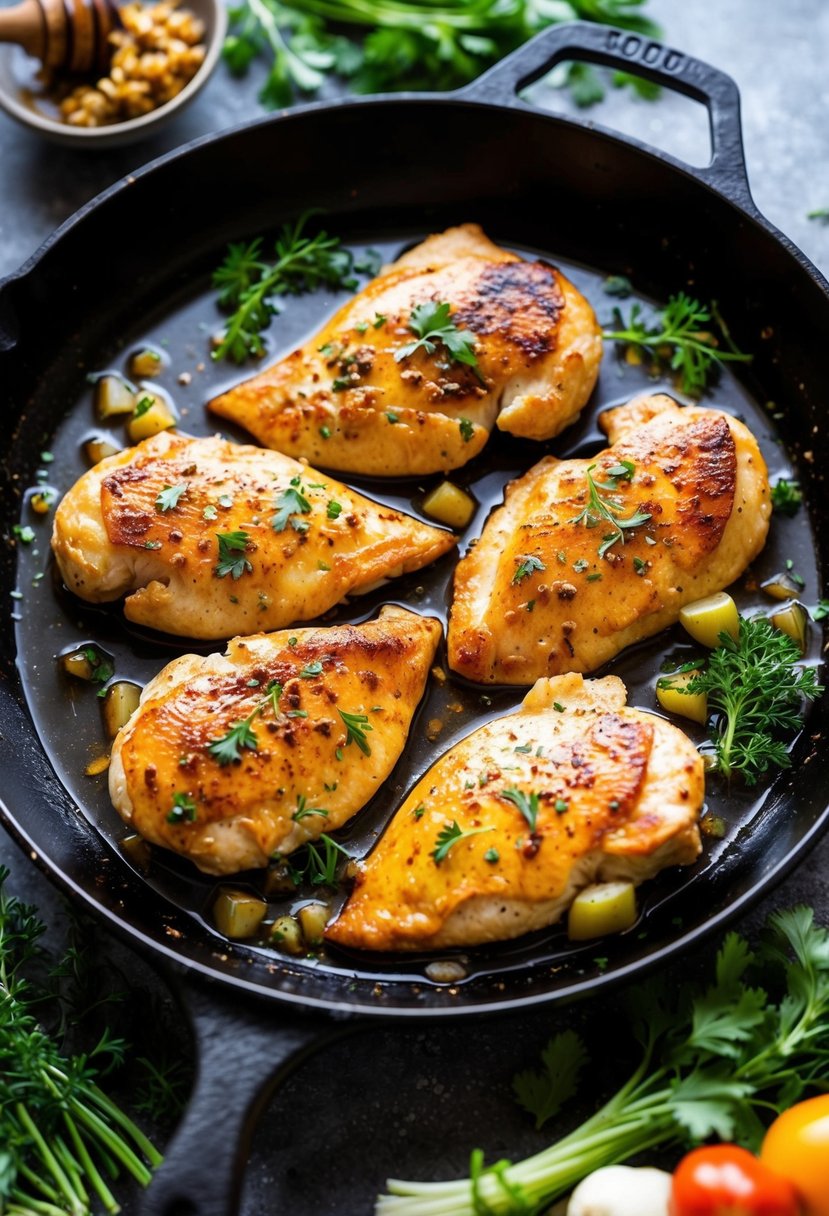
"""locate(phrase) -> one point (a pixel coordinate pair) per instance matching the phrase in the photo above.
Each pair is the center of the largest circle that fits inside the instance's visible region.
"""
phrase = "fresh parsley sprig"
(410, 44)
(232, 560)
(241, 735)
(680, 339)
(249, 285)
(755, 688)
(432, 324)
(786, 497)
(290, 504)
(601, 509)
(716, 1060)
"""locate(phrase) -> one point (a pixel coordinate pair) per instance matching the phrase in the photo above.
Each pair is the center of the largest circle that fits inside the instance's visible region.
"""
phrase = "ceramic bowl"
(17, 74)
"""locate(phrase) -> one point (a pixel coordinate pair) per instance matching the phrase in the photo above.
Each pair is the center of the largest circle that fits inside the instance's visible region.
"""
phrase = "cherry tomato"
(797, 1145)
(724, 1180)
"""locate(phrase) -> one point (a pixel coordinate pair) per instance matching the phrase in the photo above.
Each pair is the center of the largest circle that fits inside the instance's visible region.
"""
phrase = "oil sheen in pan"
(66, 713)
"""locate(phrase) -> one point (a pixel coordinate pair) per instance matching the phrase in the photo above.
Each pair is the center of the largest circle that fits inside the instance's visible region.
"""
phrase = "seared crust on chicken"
(548, 589)
(612, 793)
(301, 773)
(344, 401)
(300, 541)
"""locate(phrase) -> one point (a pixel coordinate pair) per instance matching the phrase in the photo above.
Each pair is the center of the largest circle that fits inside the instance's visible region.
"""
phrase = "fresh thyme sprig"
(526, 803)
(716, 1061)
(248, 284)
(681, 339)
(755, 687)
(609, 512)
(241, 735)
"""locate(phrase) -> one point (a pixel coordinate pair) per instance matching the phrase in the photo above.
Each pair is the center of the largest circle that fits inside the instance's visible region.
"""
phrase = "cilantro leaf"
(544, 1092)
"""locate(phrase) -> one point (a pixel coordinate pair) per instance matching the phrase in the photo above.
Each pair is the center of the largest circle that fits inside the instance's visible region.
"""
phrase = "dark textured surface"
(414, 1102)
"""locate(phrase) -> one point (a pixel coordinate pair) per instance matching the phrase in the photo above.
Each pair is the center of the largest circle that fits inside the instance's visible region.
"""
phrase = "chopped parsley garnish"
(391, 417)
(379, 320)
(303, 810)
(786, 497)
(492, 856)
(449, 836)
(232, 560)
(339, 385)
(229, 747)
(526, 567)
(290, 502)
(467, 429)
(183, 809)
(605, 510)
(560, 806)
(169, 496)
(821, 612)
(526, 803)
(209, 512)
(334, 509)
(432, 324)
(419, 811)
(325, 431)
(311, 669)
(24, 533)
(356, 726)
(144, 404)
(580, 564)
(639, 566)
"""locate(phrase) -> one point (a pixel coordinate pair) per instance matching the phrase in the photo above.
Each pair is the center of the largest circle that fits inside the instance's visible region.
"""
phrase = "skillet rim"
(742, 203)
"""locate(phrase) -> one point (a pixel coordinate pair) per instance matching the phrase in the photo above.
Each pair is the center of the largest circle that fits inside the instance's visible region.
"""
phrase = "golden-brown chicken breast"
(351, 398)
(216, 538)
(500, 835)
(588, 556)
(232, 758)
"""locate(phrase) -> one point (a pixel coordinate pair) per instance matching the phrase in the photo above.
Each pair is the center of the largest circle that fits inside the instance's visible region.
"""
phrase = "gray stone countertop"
(413, 1102)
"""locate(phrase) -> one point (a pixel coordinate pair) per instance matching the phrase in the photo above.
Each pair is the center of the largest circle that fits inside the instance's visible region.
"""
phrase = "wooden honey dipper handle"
(71, 35)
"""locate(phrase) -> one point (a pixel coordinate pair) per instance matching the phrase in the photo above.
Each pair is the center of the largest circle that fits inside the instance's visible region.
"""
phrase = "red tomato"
(724, 1180)
(797, 1145)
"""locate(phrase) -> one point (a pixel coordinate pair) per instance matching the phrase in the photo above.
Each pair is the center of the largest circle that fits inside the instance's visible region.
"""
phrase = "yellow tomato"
(797, 1147)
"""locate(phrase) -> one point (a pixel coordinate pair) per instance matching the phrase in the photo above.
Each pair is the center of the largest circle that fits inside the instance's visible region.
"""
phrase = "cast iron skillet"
(386, 167)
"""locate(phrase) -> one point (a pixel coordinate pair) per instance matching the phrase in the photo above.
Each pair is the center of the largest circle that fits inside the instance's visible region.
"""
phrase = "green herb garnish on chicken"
(680, 339)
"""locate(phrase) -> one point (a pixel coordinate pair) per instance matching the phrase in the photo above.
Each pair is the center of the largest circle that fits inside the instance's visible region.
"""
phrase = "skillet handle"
(632, 52)
(244, 1051)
